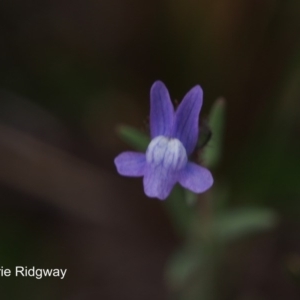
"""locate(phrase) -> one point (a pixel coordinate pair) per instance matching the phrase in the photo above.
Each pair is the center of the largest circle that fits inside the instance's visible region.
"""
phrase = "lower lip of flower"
(167, 152)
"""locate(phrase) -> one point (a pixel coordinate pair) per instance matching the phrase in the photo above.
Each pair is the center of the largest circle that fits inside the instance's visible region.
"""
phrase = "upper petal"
(161, 110)
(159, 181)
(195, 178)
(130, 164)
(187, 119)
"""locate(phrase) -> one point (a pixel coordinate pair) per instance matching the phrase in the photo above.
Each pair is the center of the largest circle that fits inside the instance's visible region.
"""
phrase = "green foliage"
(212, 152)
(239, 222)
(190, 274)
(134, 137)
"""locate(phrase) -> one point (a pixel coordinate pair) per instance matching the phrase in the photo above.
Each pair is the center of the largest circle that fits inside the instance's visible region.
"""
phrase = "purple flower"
(174, 137)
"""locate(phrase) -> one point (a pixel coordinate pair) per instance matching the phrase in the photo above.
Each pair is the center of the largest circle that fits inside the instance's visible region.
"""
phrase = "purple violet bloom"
(174, 137)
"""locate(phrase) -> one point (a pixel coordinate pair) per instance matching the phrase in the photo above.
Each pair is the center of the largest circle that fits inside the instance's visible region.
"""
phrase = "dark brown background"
(71, 71)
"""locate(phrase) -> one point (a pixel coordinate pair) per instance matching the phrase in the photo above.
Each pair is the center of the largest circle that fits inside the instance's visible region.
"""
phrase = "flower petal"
(161, 110)
(130, 164)
(195, 178)
(158, 181)
(187, 118)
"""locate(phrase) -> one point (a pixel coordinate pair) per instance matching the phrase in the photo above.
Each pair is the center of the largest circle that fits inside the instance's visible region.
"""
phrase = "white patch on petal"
(167, 152)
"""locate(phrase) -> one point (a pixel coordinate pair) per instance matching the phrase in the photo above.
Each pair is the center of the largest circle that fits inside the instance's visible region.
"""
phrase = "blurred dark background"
(72, 71)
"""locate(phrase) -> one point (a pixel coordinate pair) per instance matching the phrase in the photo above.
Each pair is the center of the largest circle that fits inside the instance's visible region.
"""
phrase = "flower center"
(167, 152)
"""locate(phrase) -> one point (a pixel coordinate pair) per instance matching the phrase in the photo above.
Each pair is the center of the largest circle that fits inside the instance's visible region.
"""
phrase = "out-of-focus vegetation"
(73, 72)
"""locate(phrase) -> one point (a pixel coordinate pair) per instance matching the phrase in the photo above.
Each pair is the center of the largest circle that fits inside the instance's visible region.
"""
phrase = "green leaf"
(191, 273)
(212, 152)
(240, 222)
(134, 137)
(181, 266)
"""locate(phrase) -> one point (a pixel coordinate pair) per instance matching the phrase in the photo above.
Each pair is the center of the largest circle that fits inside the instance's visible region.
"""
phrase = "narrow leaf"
(212, 152)
(243, 221)
(134, 137)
